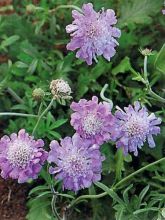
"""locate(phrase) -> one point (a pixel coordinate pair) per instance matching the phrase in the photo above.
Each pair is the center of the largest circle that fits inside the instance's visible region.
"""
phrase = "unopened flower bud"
(146, 52)
(60, 89)
(30, 8)
(38, 94)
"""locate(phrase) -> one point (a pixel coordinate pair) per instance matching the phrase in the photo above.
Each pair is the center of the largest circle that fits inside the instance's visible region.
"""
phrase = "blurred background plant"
(33, 53)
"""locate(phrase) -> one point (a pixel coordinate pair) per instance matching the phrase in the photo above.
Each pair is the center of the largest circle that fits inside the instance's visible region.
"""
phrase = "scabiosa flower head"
(92, 120)
(21, 157)
(93, 33)
(60, 89)
(76, 161)
(163, 11)
(135, 125)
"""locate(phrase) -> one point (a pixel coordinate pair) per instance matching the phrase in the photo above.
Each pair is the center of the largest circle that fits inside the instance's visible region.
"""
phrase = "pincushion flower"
(134, 126)
(92, 120)
(75, 161)
(21, 157)
(60, 89)
(93, 33)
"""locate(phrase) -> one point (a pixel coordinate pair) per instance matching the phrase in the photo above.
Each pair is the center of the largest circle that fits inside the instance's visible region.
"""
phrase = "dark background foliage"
(33, 52)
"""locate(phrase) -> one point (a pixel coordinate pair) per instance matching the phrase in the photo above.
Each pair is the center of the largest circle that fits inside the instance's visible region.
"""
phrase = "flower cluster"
(77, 160)
(21, 157)
(93, 33)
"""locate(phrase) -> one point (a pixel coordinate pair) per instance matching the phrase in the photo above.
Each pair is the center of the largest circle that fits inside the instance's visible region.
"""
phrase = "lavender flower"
(78, 163)
(21, 157)
(163, 11)
(92, 120)
(134, 126)
(93, 33)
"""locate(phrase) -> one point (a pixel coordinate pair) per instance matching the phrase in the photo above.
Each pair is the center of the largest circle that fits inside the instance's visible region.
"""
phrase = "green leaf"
(66, 195)
(38, 188)
(122, 67)
(33, 66)
(111, 193)
(20, 64)
(125, 194)
(55, 134)
(163, 212)
(143, 193)
(10, 40)
(58, 123)
(138, 11)
(146, 210)
(160, 60)
(119, 164)
(39, 209)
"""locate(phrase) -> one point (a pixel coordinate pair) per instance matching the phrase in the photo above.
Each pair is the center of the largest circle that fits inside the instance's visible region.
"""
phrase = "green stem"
(79, 199)
(53, 204)
(103, 96)
(65, 6)
(41, 116)
(17, 114)
(145, 71)
(153, 94)
(14, 95)
(40, 108)
(87, 197)
(138, 171)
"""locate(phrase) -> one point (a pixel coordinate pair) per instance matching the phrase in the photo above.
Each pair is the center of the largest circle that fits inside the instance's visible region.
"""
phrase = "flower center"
(63, 87)
(137, 126)
(19, 154)
(91, 124)
(76, 165)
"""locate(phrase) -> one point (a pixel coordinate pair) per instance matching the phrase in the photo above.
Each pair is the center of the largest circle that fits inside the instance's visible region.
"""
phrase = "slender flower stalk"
(18, 114)
(104, 98)
(65, 7)
(149, 89)
(41, 116)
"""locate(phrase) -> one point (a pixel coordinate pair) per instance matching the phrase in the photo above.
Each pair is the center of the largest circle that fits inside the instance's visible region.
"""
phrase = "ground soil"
(12, 200)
